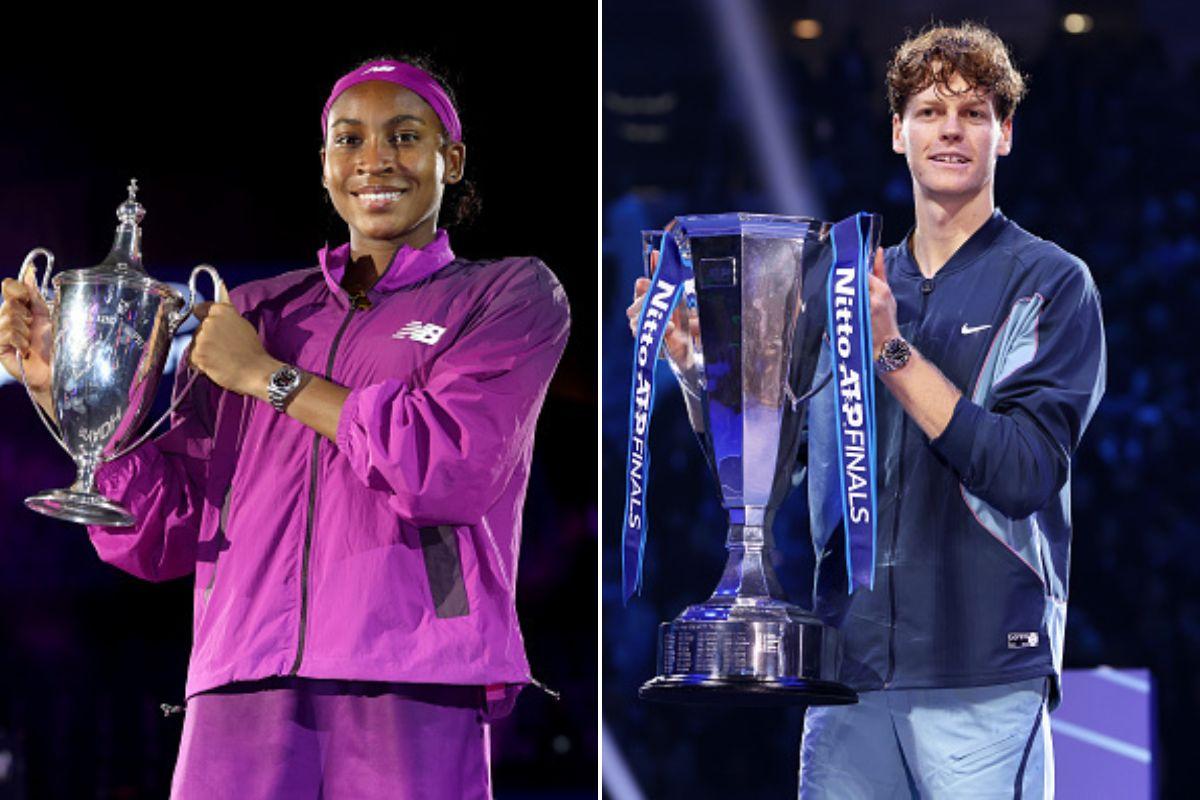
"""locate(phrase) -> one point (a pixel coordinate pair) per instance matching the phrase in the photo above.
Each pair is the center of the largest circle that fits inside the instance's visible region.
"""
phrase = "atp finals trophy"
(759, 290)
(112, 330)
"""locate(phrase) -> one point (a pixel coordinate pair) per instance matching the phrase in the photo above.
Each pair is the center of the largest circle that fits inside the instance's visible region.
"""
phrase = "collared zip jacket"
(390, 554)
(973, 527)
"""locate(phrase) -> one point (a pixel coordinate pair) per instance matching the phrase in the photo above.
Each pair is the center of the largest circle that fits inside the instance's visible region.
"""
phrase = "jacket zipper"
(355, 305)
(891, 669)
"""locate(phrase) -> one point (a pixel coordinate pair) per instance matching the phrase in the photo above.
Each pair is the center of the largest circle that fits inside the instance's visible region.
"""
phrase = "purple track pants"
(329, 740)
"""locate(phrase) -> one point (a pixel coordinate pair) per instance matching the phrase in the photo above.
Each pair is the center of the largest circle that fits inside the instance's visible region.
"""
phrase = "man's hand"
(924, 392)
(227, 349)
(684, 322)
(883, 307)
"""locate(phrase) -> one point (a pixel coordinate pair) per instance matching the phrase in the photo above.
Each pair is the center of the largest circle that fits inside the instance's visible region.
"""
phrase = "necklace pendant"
(360, 301)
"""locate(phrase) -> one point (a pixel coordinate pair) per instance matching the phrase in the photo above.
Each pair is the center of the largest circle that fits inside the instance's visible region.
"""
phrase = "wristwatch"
(282, 384)
(893, 355)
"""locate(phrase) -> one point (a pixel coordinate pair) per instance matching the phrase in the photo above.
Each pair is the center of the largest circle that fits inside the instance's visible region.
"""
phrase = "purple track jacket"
(390, 555)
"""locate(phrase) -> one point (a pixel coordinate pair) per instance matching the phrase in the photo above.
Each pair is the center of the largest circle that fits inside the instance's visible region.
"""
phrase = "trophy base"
(749, 651)
(86, 509)
(701, 691)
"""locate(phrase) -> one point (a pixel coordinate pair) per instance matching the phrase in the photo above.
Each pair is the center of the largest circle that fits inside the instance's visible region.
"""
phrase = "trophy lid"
(124, 261)
(126, 253)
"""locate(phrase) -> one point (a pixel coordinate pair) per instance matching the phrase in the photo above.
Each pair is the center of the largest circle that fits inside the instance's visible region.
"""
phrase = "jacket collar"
(976, 245)
(407, 266)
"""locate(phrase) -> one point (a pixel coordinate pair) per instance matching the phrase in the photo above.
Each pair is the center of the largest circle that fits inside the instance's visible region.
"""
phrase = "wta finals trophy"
(761, 289)
(112, 330)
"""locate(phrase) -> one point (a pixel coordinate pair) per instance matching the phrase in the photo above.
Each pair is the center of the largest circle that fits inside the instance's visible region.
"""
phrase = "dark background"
(219, 120)
(1106, 162)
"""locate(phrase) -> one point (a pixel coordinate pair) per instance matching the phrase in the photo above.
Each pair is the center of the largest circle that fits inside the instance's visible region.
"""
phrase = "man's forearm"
(925, 393)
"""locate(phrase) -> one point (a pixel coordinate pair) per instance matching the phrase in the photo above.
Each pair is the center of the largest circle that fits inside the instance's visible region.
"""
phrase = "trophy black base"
(700, 691)
(86, 509)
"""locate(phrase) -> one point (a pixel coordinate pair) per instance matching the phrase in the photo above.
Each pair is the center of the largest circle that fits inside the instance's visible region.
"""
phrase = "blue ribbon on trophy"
(665, 285)
(854, 391)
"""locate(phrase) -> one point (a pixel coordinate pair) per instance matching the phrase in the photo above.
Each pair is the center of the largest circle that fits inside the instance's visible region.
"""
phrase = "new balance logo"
(967, 330)
(423, 332)
(380, 68)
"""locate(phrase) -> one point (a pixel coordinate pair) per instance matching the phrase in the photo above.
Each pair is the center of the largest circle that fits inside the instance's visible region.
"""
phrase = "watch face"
(894, 354)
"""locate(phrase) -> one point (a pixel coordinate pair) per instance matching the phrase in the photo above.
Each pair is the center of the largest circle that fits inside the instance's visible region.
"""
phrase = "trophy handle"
(219, 292)
(817, 386)
(43, 288)
(46, 420)
(175, 401)
(29, 262)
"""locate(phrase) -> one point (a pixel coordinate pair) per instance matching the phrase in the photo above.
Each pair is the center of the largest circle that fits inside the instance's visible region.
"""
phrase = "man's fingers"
(880, 271)
(680, 317)
(877, 287)
(200, 310)
(634, 308)
(639, 293)
(222, 292)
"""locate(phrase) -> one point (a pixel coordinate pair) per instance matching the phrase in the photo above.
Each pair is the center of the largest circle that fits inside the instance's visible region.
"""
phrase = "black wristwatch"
(282, 384)
(893, 355)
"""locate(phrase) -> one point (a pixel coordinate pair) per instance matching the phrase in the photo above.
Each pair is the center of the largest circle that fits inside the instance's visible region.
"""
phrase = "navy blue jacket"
(974, 527)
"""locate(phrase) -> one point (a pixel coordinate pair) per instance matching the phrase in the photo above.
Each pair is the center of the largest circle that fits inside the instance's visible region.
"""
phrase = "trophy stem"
(81, 502)
(748, 573)
(85, 476)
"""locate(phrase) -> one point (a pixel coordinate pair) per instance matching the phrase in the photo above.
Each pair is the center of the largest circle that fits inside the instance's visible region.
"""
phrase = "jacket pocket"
(443, 567)
(986, 753)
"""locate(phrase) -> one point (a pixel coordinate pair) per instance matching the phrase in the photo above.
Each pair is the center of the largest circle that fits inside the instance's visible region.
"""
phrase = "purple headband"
(413, 78)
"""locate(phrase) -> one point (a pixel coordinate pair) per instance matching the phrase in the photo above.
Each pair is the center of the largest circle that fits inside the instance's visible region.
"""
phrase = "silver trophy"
(112, 330)
(758, 294)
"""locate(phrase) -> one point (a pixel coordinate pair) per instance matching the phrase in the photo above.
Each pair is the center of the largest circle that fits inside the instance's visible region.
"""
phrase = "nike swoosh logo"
(967, 330)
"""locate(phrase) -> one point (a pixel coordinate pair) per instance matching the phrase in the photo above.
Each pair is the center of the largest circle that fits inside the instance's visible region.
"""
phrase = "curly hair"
(968, 50)
(461, 201)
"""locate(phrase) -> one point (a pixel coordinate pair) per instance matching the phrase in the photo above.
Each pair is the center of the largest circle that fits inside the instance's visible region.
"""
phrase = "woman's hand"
(227, 349)
(25, 329)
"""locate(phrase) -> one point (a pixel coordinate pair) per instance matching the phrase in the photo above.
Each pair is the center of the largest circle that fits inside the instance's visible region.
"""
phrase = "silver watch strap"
(282, 384)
